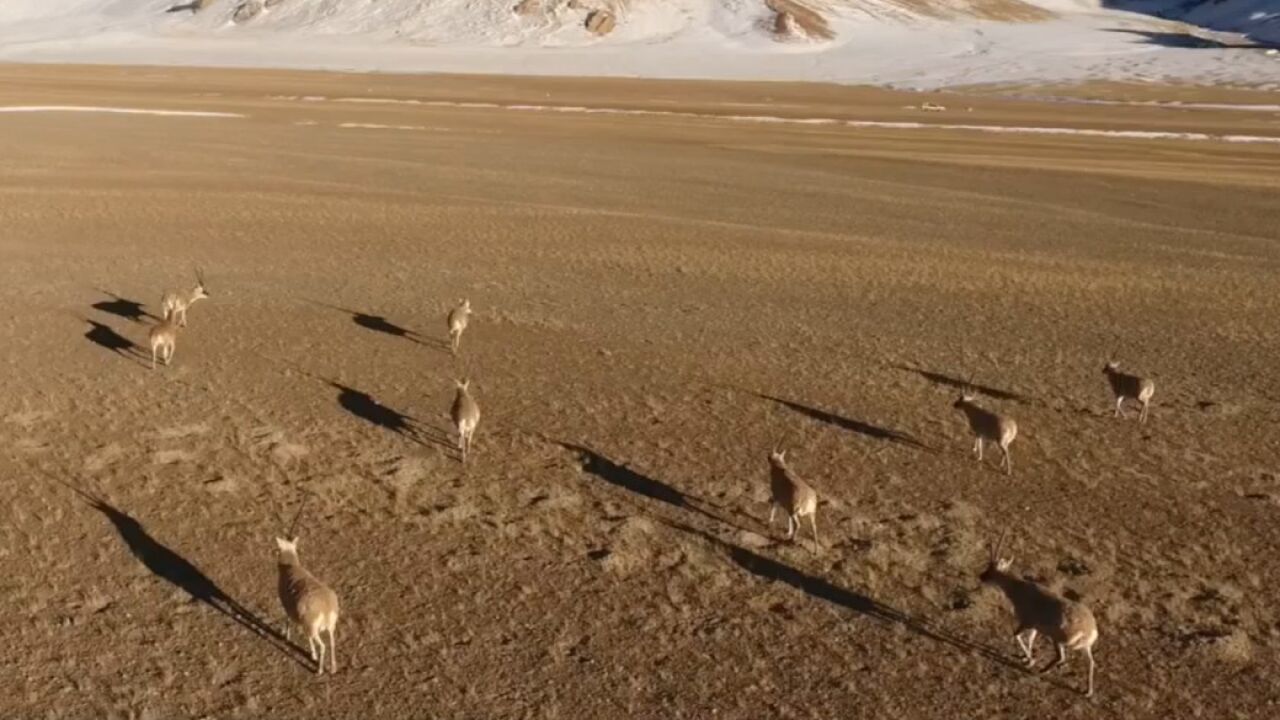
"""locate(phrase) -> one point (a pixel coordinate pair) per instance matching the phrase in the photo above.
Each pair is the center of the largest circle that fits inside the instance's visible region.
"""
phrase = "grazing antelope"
(1125, 386)
(987, 425)
(176, 303)
(1040, 611)
(458, 323)
(796, 497)
(163, 336)
(466, 416)
(308, 603)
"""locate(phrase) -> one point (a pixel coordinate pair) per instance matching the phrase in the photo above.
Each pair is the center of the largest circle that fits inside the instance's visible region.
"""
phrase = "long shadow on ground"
(875, 432)
(773, 570)
(122, 307)
(105, 337)
(821, 589)
(365, 407)
(951, 381)
(624, 477)
(380, 324)
(1190, 41)
(168, 565)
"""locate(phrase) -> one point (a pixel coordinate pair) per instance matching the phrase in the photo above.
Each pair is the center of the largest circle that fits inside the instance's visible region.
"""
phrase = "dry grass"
(659, 301)
(996, 10)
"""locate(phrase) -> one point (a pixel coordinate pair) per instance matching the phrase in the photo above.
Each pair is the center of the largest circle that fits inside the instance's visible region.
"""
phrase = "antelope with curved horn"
(176, 303)
(1041, 611)
(308, 602)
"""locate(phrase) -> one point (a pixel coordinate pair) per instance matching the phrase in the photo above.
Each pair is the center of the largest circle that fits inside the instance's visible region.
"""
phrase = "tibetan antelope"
(1129, 387)
(466, 416)
(1041, 611)
(308, 603)
(796, 497)
(457, 320)
(163, 336)
(176, 303)
(988, 426)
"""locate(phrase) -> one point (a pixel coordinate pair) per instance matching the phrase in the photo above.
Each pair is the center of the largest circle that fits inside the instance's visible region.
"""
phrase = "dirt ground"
(660, 300)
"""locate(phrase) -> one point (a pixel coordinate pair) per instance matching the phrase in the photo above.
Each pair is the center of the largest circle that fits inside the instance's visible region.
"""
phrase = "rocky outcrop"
(794, 20)
(601, 22)
(247, 11)
(527, 7)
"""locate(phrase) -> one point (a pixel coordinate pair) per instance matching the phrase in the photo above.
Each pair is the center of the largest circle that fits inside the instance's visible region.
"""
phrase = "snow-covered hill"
(923, 43)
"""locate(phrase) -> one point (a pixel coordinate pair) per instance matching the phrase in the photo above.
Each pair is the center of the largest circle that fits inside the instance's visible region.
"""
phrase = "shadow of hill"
(1186, 40)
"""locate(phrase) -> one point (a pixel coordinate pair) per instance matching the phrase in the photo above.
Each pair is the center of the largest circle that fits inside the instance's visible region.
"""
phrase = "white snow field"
(901, 43)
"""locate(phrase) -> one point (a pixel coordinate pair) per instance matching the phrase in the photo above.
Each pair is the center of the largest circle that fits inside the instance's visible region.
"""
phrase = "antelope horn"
(995, 551)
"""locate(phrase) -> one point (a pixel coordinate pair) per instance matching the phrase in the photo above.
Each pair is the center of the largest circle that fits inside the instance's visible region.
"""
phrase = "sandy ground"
(660, 300)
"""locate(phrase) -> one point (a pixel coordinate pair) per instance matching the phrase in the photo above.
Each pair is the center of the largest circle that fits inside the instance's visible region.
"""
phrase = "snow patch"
(115, 110)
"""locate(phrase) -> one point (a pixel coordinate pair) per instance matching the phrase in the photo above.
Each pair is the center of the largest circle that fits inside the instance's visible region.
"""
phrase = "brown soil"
(659, 302)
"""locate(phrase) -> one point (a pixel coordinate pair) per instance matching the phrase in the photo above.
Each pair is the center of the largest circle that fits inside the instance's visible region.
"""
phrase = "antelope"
(466, 416)
(987, 425)
(796, 497)
(308, 603)
(1125, 386)
(163, 336)
(458, 323)
(176, 303)
(1041, 611)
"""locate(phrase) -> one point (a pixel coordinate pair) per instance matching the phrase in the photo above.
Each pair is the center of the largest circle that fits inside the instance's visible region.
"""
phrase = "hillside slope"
(925, 43)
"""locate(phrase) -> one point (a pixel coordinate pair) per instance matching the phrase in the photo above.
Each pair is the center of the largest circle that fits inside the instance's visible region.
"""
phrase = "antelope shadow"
(104, 336)
(380, 324)
(867, 429)
(593, 463)
(121, 307)
(367, 408)
(170, 566)
(822, 589)
(950, 381)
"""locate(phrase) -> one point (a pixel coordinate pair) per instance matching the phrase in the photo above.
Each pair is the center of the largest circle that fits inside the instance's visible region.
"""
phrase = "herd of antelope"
(313, 605)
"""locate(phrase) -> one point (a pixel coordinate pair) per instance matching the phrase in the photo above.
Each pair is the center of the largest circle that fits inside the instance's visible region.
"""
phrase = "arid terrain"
(661, 299)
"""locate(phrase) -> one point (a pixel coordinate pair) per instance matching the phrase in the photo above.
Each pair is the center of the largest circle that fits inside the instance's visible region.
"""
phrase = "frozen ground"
(903, 43)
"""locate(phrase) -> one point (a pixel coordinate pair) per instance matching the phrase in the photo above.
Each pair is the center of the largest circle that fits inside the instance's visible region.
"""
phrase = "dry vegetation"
(659, 302)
